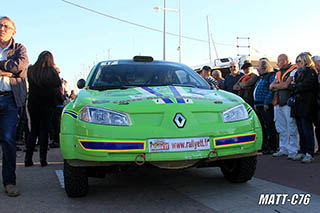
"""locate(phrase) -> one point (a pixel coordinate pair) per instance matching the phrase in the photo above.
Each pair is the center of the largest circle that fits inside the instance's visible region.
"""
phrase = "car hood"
(157, 99)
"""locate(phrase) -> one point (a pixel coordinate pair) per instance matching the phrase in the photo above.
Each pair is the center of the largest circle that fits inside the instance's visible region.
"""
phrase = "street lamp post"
(180, 31)
(165, 27)
(164, 30)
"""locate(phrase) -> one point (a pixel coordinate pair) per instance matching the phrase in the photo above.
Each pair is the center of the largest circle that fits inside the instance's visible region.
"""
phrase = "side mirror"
(81, 83)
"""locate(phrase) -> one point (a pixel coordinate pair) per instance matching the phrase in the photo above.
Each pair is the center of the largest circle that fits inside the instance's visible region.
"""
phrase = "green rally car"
(147, 112)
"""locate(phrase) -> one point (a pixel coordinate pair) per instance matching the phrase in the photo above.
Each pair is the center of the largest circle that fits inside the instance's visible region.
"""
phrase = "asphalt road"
(290, 173)
(155, 190)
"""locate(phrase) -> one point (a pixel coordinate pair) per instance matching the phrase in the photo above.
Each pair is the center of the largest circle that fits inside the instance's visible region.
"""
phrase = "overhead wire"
(139, 25)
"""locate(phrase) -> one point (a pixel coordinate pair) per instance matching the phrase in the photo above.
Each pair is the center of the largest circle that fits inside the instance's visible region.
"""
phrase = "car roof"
(131, 61)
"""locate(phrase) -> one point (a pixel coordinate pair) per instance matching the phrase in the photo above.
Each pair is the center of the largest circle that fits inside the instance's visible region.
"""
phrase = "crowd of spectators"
(286, 100)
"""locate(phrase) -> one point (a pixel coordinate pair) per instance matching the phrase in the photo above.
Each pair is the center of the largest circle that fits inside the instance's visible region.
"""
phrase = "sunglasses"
(298, 61)
(6, 27)
(232, 66)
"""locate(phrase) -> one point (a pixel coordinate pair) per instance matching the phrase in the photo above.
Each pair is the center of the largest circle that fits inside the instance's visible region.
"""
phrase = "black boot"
(28, 163)
(28, 158)
(43, 163)
(43, 154)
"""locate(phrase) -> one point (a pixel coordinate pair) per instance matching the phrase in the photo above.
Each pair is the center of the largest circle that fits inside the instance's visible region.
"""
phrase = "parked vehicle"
(146, 112)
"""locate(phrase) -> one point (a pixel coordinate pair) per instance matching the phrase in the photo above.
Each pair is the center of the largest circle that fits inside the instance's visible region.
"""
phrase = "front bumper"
(75, 149)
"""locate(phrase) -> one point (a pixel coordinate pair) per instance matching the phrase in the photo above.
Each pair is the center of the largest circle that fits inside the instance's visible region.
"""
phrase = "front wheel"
(239, 170)
(75, 180)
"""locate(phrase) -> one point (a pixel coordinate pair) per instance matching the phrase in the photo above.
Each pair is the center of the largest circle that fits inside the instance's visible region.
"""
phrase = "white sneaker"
(278, 154)
(298, 156)
(307, 158)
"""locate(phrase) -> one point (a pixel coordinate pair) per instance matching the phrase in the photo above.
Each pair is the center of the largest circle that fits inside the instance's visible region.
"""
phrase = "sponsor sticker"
(178, 144)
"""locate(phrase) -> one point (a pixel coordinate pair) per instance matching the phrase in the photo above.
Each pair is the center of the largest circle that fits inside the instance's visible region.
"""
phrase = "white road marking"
(60, 177)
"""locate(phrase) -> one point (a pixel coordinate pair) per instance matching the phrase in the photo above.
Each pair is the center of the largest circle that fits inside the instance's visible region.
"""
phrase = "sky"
(80, 38)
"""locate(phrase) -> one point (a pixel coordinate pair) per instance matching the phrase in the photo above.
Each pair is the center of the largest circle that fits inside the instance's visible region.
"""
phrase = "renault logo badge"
(179, 120)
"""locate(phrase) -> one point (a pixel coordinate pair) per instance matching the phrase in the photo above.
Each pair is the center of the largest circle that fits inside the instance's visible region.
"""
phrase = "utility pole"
(164, 30)
(109, 54)
(180, 31)
(214, 46)
(209, 39)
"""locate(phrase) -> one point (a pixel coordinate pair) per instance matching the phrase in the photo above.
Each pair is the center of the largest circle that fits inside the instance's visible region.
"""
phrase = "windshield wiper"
(102, 88)
(184, 85)
(178, 85)
(156, 85)
(110, 87)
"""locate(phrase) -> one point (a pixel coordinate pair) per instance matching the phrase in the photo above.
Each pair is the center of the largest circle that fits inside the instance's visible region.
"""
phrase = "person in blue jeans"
(263, 106)
(13, 93)
(304, 110)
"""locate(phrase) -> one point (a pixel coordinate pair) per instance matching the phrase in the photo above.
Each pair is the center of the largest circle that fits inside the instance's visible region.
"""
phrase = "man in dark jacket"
(232, 78)
(13, 93)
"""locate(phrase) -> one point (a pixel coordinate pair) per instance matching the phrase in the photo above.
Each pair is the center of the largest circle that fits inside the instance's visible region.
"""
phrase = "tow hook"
(139, 161)
(215, 152)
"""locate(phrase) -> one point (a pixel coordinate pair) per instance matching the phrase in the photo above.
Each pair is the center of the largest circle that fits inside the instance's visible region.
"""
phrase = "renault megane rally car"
(143, 111)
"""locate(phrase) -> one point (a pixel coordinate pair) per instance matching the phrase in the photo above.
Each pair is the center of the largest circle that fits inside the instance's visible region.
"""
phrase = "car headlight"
(236, 113)
(104, 116)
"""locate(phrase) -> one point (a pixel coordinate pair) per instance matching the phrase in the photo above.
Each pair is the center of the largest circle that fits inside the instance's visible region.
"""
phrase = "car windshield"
(123, 76)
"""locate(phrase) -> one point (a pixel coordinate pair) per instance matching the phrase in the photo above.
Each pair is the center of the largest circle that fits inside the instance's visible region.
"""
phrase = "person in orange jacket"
(285, 124)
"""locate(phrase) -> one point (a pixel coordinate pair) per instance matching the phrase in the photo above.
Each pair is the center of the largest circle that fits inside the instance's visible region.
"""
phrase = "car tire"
(75, 180)
(239, 170)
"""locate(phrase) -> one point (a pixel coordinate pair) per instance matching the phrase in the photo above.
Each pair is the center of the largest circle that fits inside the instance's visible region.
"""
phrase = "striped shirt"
(211, 81)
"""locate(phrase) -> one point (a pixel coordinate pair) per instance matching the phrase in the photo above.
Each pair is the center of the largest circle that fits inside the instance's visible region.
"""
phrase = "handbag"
(291, 101)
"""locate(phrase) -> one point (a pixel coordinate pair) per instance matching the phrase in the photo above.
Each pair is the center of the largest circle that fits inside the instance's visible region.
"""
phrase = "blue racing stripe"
(112, 146)
(73, 115)
(235, 140)
(166, 100)
(177, 94)
(72, 112)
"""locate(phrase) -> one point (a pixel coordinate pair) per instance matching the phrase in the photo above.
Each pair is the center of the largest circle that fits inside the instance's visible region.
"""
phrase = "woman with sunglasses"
(304, 89)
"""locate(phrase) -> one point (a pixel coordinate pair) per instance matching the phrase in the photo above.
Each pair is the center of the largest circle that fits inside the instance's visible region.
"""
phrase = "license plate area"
(178, 144)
